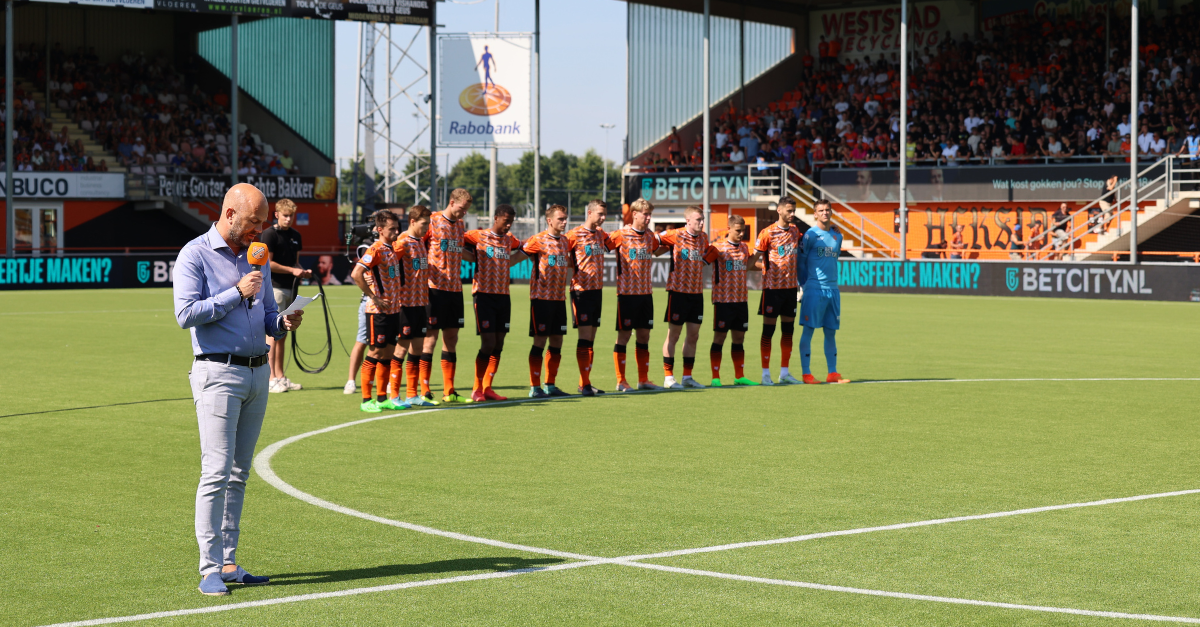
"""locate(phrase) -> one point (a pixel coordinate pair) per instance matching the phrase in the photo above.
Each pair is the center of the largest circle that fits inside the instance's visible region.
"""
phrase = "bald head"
(243, 214)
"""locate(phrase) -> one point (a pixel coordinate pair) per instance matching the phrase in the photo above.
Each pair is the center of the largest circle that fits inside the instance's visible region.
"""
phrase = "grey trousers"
(230, 403)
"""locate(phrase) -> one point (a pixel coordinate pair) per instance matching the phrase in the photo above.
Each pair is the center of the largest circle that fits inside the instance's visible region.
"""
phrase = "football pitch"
(997, 461)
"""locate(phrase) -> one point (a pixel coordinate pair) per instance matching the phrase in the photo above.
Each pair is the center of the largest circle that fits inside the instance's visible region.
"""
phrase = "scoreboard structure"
(417, 12)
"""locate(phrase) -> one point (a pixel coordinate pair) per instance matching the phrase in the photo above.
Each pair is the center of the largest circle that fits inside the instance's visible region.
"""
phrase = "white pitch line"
(917, 597)
(908, 525)
(263, 465)
(316, 596)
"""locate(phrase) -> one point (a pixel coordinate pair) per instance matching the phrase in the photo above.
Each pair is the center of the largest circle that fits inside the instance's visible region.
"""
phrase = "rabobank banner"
(484, 93)
(1122, 281)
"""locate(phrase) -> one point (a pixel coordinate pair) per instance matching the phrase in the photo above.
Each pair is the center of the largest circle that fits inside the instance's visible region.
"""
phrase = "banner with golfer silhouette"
(484, 90)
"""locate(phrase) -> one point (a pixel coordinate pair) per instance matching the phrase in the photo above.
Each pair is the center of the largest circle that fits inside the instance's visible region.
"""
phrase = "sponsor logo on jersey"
(450, 246)
(591, 250)
(420, 263)
(556, 261)
(786, 250)
(639, 254)
(497, 252)
(735, 265)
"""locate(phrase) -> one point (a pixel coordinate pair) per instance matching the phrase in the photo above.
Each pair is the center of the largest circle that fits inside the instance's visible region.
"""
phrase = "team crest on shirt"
(628, 322)
(406, 331)
(674, 316)
(770, 309)
(583, 317)
(721, 324)
(487, 323)
(432, 319)
(541, 327)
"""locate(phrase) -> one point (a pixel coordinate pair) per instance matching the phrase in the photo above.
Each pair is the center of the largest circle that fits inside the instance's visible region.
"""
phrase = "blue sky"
(583, 72)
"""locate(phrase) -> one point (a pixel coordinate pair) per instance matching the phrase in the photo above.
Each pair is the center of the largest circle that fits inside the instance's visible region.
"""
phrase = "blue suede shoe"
(213, 586)
(246, 579)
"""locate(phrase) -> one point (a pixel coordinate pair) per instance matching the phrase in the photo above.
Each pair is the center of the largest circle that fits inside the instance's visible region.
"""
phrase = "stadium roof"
(781, 12)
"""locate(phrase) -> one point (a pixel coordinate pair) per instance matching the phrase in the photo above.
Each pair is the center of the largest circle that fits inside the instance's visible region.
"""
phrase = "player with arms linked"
(444, 241)
(822, 301)
(588, 244)
(731, 312)
(550, 253)
(496, 250)
(636, 245)
(414, 303)
(776, 255)
(383, 310)
(690, 250)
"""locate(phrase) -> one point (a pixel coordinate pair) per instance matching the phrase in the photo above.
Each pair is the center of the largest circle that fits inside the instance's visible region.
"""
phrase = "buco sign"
(66, 185)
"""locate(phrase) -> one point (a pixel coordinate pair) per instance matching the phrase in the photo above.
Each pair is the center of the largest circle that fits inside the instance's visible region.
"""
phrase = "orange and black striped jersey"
(729, 272)
(492, 253)
(384, 267)
(689, 253)
(445, 244)
(414, 276)
(779, 264)
(551, 258)
(635, 250)
(588, 248)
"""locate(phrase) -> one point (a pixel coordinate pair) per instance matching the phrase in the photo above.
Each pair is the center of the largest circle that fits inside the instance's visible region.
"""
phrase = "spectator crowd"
(139, 108)
(1034, 91)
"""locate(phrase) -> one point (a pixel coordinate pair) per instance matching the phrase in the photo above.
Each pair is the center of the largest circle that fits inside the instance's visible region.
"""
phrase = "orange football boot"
(835, 378)
(808, 378)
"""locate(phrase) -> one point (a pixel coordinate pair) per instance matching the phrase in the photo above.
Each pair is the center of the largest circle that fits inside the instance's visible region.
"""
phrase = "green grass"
(96, 517)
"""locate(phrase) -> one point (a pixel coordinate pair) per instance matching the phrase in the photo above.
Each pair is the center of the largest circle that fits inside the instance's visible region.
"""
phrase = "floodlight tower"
(403, 72)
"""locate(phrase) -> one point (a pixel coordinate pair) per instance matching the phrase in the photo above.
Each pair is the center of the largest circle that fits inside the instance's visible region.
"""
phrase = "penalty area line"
(318, 595)
(908, 525)
(915, 597)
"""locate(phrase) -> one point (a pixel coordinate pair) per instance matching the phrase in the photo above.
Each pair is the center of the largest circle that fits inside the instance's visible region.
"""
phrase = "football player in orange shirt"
(496, 250)
(776, 256)
(690, 250)
(445, 244)
(636, 246)
(383, 310)
(588, 245)
(550, 253)
(731, 313)
(414, 299)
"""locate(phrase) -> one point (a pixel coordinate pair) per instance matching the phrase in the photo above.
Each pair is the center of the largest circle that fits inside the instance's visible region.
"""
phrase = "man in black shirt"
(284, 243)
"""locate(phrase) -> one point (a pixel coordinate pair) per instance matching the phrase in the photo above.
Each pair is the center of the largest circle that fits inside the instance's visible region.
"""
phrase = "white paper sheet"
(298, 304)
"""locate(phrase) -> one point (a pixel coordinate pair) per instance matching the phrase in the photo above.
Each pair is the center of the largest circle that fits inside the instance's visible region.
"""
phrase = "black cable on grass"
(327, 347)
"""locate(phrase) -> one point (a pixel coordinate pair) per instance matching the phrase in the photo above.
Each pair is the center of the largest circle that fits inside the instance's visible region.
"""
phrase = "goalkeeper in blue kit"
(821, 302)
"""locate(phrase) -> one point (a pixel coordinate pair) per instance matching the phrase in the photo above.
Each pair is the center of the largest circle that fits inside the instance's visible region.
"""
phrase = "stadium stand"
(135, 114)
(1017, 96)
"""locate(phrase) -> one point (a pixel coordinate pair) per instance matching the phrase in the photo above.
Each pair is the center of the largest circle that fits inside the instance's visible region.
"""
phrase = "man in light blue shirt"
(821, 304)
(220, 300)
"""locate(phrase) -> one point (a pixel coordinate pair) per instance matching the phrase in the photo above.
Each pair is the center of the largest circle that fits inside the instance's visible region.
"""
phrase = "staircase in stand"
(1168, 190)
(857, 240)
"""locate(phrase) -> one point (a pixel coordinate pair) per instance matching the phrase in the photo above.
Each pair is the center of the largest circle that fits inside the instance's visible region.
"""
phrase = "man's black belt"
(226, 358)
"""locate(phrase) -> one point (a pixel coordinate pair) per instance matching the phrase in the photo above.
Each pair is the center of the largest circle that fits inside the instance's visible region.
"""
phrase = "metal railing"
(796, 185)
(1113, 206)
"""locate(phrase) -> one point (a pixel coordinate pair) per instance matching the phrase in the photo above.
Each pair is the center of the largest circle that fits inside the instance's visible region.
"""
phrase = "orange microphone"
(257, 256)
